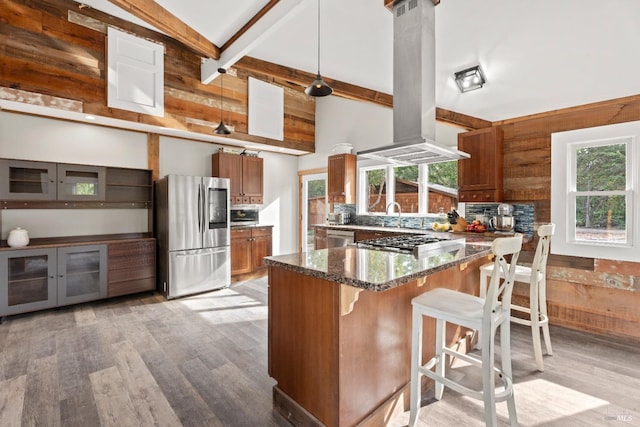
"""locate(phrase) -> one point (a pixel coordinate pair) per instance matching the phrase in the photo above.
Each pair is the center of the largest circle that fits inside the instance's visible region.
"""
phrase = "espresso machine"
(504, 221)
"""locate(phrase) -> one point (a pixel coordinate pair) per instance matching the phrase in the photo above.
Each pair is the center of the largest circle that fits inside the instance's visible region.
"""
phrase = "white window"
(594, 192)
(409, 186)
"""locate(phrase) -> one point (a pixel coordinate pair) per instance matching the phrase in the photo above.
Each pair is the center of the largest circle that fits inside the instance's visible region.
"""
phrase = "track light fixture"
(470, 79)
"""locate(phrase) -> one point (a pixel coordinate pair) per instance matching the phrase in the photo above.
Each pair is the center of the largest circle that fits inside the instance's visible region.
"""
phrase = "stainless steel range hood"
(414, 94)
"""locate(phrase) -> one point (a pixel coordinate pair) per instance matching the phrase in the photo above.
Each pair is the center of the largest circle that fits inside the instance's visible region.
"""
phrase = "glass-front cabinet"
(36, 279)
(27, 180)
(82, 273)
(80, 182)
(28, 280)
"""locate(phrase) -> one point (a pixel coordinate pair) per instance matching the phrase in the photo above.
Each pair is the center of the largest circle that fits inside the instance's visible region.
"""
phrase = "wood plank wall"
(595, 295)
(57, 48)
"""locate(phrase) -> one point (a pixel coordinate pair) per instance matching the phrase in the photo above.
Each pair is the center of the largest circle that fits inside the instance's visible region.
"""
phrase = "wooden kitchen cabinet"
(261, 246)
(342, 177)
(320, 238)
(241, 261)
(480, 177)
(249, 245)
(132, 267)
(245, 174)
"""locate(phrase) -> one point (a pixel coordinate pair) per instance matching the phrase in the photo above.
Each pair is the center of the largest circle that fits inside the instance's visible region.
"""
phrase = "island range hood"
(414, 93)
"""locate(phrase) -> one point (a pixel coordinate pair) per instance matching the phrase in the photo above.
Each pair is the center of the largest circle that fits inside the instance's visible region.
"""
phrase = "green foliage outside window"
(601, 168)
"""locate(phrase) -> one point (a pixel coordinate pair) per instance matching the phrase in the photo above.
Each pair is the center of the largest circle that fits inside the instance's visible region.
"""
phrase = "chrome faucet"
(390, 205)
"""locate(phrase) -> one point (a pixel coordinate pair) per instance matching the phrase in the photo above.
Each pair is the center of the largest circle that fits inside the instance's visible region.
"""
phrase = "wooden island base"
(341, 354)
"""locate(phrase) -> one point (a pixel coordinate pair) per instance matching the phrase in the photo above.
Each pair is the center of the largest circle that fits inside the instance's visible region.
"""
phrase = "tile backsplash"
(523, 214)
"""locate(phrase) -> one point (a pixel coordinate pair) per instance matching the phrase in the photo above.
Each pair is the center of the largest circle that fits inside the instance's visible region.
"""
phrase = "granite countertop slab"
(376, 270)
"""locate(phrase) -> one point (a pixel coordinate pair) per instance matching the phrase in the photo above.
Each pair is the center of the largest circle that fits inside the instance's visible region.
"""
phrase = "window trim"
(564, 146)
(423, 189)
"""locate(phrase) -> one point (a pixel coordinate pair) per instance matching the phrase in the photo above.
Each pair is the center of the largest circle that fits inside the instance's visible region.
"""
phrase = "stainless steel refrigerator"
(192, 226)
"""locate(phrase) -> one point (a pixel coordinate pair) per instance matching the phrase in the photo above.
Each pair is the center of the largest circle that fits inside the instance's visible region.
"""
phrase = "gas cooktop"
(417, 244)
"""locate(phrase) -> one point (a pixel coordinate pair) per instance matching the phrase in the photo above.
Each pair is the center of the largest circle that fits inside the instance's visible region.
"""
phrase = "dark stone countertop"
(377, 270)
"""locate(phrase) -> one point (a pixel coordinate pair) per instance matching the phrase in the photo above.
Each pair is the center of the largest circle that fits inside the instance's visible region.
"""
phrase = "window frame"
(423, 189)
(564, 147)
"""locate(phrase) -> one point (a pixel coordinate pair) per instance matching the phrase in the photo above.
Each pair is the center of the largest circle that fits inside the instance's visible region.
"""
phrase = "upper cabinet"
(32, 184)
(25, 180)
(245, 174)
(480, 177)
(79, 182)
(342, 178)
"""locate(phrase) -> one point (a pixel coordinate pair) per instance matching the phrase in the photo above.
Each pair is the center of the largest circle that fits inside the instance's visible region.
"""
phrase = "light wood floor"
(202, 361)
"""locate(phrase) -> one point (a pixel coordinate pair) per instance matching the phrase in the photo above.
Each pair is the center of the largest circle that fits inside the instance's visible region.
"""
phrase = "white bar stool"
(536, 277)
(481, 314)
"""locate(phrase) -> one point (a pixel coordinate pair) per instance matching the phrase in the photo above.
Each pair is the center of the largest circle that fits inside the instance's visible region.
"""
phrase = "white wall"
(36, 138)
(182, 157)
(280, 206)
(340, 120)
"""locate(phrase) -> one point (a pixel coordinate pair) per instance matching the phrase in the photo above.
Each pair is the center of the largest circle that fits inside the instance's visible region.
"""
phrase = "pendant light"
(221, 129)
(319, 87)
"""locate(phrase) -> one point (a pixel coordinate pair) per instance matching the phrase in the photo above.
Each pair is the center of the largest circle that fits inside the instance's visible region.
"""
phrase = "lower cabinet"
(29, 280)
(132, 267)
(249, 245)
(82, 273)
(320, 238)
(36, 279)
(41, 278)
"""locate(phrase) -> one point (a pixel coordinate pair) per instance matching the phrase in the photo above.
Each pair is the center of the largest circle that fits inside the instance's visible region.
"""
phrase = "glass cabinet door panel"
(82, 273)
(78, 182)
(27, 281)
(25, 180)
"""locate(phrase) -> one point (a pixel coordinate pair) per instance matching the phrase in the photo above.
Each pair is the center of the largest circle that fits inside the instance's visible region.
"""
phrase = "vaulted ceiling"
(538, 55)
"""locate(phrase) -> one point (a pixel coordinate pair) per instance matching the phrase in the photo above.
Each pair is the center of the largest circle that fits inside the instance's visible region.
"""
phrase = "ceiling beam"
(461, 120)
(249, 24)
(303, 78)
(259, 28)
(154, 14)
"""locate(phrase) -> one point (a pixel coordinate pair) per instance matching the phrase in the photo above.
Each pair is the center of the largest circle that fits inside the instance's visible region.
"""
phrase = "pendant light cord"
(318, 36)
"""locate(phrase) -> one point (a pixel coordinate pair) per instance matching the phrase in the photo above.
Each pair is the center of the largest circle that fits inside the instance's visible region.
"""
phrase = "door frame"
(301, 176)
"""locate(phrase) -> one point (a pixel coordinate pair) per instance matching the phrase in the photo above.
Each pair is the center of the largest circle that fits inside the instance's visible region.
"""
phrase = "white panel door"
(135, 73)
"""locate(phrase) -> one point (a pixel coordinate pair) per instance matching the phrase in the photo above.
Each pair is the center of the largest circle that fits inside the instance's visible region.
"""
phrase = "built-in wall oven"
(244, 215)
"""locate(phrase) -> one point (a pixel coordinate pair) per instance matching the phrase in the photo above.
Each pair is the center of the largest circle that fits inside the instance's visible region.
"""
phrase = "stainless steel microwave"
(244, 215)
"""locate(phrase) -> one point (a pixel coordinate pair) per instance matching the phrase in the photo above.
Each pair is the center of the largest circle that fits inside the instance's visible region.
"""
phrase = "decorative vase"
(18, 237)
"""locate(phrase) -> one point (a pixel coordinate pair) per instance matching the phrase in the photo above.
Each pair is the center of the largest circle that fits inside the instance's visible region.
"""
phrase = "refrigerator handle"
(200, 208)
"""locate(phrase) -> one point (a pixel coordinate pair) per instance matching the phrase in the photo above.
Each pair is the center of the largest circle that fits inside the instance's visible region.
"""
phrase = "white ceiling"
(537, 55)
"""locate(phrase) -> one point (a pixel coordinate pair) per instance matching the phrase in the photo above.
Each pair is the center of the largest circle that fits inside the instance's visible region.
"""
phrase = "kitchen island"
(340, 328)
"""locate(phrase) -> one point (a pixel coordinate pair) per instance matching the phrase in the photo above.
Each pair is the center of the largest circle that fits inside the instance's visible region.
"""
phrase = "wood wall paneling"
(595, 295)
(57, 48)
